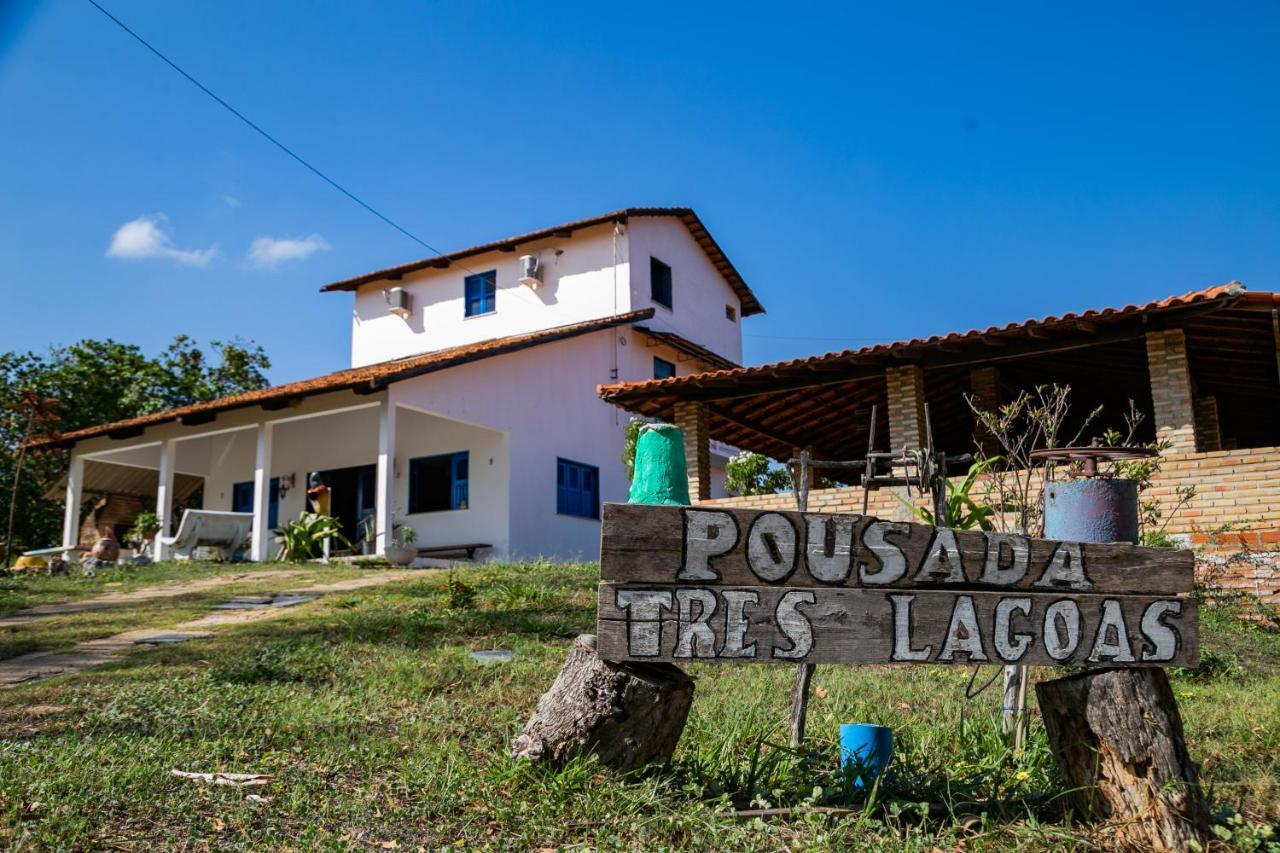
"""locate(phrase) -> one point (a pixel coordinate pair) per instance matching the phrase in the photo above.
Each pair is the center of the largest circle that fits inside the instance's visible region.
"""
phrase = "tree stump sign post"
(706, 584)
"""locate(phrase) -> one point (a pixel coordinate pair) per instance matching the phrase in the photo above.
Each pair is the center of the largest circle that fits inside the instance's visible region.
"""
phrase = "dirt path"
(91, 653)
(146, 593)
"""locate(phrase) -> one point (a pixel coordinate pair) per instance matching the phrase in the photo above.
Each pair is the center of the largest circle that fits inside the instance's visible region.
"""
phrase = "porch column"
(691, 418)
(1171, 392)
(164, 497)
(984, 390)
(260, 544)
(386, 476)
(75, 495)
(1208, 427)
(906, 406)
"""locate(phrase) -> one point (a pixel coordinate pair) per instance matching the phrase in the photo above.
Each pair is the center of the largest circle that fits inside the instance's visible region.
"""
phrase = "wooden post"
(804, 671)
(1118, 737)
(626, 715)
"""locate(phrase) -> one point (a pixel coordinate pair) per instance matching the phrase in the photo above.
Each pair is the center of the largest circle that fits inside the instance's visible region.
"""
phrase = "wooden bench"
(447, 551)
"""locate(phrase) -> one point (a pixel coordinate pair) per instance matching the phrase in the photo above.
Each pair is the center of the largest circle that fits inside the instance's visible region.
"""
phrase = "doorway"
(352, 496)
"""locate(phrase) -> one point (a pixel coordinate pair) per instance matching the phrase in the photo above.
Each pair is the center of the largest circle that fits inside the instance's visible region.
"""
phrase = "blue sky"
(874, 172)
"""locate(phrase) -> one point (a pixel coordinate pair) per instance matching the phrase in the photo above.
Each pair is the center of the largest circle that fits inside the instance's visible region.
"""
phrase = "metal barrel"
(1091, 510)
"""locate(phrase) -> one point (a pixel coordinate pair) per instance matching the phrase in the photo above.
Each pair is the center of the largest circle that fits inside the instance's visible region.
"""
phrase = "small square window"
(577, 489)
(481, 293)
(731, 313)
(438, 482)
(659, 282)
(663, 369)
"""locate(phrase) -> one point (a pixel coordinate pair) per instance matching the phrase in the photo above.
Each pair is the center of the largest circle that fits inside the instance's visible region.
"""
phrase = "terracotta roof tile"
(370, 378)
(619, 392)
(750, 304)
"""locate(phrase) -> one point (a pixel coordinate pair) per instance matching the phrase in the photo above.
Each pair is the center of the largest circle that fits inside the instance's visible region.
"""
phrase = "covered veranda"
(1201, 367)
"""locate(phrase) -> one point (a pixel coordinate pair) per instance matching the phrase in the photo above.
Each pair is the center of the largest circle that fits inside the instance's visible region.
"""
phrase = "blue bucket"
(865, 751)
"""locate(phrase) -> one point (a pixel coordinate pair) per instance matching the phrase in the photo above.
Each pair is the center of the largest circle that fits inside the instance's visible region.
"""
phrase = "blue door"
(242, 500)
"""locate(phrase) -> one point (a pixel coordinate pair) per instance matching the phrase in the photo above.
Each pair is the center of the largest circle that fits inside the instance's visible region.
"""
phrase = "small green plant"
(146, 525)
(301, 538)
(629, 445)
(961, 511)
(458, 595)
(403, 535)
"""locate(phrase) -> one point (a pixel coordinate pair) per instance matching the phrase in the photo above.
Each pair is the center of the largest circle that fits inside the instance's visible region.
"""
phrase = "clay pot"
(105, 549)
(400, 555)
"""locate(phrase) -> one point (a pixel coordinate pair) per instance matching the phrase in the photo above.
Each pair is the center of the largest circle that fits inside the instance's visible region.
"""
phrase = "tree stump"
(1118, 737)
(627, 715)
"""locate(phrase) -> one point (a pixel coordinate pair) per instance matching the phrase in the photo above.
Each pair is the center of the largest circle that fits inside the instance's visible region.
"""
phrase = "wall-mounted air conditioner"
(399, 302)
(530, 272)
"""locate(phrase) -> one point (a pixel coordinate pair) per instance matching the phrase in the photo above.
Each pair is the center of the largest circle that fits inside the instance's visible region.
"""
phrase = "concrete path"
(148, 593)
(91, 653)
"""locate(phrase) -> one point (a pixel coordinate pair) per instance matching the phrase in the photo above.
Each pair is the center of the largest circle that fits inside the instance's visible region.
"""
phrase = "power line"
(276, 142)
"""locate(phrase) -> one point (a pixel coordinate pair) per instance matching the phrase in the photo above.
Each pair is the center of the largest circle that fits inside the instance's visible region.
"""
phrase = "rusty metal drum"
(1091, 510)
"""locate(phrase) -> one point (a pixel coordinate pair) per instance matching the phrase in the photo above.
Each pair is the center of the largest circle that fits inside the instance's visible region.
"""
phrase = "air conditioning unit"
(530, 272)
(399, 302)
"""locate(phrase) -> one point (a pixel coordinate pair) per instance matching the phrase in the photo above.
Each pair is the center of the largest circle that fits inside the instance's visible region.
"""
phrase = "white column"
(260, 549)
(386, 475)
(164, 497)
(75, 493)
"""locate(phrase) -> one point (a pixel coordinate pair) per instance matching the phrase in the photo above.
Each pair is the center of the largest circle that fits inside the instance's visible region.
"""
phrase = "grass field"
(380, 731)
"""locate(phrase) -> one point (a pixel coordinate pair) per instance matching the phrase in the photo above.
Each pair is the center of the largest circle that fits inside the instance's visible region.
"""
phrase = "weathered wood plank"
(870, 626)
(713, 546)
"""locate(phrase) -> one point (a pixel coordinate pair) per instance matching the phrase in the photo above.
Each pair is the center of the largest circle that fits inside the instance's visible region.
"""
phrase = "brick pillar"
(984, 388)
(906, 406)
(691, 418)
(1171, 389)
(1208, 432)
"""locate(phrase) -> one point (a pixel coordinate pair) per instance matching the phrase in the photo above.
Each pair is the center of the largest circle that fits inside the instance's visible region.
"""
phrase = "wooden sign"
(748, 586)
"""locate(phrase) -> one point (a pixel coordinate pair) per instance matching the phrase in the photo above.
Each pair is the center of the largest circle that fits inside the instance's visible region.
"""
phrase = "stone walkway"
(91, 653)
(150, 593)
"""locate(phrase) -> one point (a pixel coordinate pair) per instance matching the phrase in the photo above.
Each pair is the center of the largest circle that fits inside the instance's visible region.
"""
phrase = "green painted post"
(660, 473)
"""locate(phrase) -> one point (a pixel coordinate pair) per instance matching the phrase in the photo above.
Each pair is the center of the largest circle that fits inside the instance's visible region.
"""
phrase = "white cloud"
(231, 201)
(270, 252)
(145, 238)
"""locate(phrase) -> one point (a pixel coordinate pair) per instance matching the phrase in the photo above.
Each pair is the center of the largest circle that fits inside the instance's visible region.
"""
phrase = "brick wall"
(691, 418)
(1171, 389)
(1234, 487)
(1254, 572)
(906, 406)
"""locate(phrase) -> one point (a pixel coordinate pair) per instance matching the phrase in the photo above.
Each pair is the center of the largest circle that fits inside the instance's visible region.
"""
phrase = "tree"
(94, 382)
(752, 474)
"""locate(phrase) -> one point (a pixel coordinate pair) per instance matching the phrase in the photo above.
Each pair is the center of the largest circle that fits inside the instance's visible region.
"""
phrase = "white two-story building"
(470, 411)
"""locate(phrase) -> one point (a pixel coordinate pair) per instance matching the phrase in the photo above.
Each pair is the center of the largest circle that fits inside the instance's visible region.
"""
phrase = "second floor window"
(659, 282)
(481, 290)
(663, 369)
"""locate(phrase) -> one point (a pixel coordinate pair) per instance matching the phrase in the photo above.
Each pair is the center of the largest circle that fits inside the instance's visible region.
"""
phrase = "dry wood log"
(627, 715)
(1118, 737)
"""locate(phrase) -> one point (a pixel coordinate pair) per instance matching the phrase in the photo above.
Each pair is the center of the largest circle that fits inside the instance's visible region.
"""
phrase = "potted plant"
(144, 529)
(400, 551)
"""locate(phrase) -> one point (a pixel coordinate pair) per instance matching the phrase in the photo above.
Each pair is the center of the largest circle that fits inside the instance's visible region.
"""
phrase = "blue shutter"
(577, 489)
(461, 485)
(480, 293)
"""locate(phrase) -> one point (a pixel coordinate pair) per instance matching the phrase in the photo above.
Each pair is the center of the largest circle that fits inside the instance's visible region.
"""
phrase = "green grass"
(20, 591)
(378, 727)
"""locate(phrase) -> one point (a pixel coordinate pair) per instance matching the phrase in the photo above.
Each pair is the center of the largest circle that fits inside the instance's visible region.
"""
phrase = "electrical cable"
(276, 142)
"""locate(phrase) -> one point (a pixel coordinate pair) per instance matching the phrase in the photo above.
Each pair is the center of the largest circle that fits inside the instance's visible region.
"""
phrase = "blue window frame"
(577, 489)
(481, 293)
(659, 282)
(663, 369)
(438, 483)
(242, 500)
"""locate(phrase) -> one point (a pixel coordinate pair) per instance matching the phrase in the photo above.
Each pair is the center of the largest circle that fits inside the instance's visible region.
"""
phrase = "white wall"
(578, 285)
(699, 292)
(487, 517)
